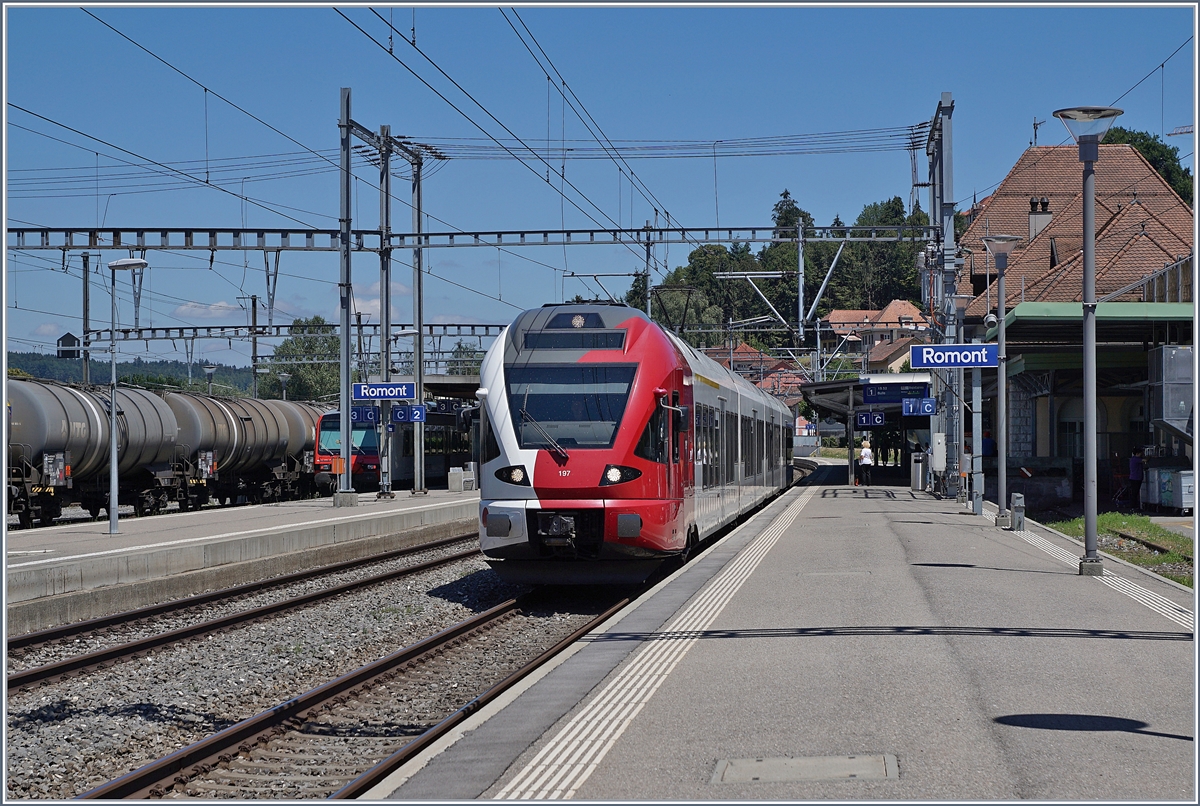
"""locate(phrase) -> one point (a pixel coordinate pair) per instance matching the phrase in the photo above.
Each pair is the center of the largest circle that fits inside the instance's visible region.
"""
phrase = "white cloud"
(217, 310)
(48, 329)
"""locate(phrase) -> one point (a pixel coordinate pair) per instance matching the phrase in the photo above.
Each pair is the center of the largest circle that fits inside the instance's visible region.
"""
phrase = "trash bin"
(455, 480)
(917, 477)
(1018, 512)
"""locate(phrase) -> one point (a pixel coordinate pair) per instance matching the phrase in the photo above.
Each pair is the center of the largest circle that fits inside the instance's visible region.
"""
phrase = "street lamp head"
(961, 301)
(128, 263)
(1088, 125)
(1001, 244)
(283, 377)
(1088, 121)
(209, 369)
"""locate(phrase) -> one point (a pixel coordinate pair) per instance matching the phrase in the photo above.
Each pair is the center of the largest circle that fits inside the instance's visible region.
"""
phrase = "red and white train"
(608, 445)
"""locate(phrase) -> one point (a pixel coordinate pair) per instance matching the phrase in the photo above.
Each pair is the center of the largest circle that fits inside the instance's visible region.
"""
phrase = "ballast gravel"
(70, 736)
(50, 653)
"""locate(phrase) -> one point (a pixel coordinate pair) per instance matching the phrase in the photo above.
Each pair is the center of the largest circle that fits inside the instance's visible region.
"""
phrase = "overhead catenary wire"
(278, 131)
(473, 122)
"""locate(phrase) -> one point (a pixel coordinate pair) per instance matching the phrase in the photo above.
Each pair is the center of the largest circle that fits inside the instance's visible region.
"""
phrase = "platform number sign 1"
(869, 419)
(920, 407)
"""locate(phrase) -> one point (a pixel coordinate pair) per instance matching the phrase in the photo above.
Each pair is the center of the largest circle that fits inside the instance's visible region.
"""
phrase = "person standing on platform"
(1137, 472)
(865, 460)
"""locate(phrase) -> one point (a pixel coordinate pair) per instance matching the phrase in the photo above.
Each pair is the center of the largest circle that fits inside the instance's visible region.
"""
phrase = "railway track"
(341, 738)
(96, 629)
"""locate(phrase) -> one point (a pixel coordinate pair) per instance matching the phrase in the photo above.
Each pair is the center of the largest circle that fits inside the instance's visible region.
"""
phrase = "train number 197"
(564, 472)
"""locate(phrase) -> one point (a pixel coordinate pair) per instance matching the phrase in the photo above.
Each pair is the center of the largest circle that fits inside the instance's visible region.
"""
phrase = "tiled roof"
(1141, 224)
(896, 314)
(887, 350)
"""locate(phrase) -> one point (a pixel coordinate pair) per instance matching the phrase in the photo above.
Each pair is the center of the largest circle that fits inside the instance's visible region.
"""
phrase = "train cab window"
(579, 406)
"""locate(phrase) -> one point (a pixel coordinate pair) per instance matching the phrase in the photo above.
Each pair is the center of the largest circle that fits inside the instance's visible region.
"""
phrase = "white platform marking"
(562, 766)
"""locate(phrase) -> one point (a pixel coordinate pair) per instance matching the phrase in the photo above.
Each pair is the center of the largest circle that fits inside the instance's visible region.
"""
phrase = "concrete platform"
(854, 644)
(68, 573)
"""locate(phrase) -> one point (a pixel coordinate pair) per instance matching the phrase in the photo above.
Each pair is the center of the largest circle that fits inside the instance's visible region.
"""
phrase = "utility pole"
(385, 309)
(647, 267)
(87, 288)
(345, 491)
(253, 343)
(419, 326)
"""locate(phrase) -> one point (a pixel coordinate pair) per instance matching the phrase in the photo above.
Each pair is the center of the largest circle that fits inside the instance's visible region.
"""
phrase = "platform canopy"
(1116, 322)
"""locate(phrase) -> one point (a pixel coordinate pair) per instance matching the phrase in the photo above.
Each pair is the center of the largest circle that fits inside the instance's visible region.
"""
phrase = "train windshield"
(363, 439)
(579, 406)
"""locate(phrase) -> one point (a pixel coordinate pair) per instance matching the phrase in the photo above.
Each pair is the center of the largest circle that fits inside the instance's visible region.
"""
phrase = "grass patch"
(832, 453)
(1125, 536)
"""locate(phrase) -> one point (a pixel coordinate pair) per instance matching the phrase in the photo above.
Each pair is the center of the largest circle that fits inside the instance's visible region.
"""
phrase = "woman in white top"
(865, 460)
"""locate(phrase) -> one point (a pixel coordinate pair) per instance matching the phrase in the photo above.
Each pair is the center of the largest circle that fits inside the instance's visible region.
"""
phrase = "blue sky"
(652, 74)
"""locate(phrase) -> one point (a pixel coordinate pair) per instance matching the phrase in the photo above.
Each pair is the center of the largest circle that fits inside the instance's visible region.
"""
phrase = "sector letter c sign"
(953, 356)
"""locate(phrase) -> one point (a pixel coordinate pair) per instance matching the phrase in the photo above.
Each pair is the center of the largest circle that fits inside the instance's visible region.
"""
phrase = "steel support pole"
(849, 435)
(1090, 563)
(961, 416)
(254, 344)
(800, 284)
(344, 293)
(87, 318)
(977, 482)
(385, 309)
(113, 497)
(1002, 518)
(418, 339)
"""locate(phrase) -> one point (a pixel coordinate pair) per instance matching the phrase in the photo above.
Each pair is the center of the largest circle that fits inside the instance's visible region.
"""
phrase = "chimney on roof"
(1038, 219)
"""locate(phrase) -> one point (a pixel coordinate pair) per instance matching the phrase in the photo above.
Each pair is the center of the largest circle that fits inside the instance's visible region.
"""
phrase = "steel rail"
(54, 671)
(198, 758)
(361, 785)
(51, 634)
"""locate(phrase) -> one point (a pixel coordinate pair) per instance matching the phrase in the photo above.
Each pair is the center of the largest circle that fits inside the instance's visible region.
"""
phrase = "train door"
(722, 461)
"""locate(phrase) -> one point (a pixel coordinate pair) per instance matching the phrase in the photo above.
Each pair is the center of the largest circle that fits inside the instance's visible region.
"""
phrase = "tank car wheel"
(139, 509)
(94, 510)
(185, 503)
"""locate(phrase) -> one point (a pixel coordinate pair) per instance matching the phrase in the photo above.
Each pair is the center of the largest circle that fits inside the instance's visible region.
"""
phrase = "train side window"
(490, 448)
(653, 442)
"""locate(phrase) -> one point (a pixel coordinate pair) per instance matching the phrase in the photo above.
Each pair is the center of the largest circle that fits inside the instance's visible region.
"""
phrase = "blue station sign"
(383, 391)
(869, 419)
(919, 407)
(364, 414)
(408, 414)
(953, 356)
(893, 392)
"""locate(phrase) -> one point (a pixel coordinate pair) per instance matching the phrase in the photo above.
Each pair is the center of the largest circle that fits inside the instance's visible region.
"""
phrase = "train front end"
(583, 447)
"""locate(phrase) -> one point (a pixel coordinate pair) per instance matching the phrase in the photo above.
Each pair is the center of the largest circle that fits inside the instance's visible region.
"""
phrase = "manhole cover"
(813, 768)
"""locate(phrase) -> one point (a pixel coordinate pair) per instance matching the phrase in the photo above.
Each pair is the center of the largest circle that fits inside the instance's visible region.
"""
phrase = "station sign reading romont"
(953, 356)
(383, 391)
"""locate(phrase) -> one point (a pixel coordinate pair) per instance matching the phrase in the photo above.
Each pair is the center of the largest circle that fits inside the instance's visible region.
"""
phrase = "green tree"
(1162, 158)
(304, 355)
(465, 359)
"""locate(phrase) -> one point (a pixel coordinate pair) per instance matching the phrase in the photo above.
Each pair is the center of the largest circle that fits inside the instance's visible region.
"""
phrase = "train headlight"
(618, 474)
(515, 474)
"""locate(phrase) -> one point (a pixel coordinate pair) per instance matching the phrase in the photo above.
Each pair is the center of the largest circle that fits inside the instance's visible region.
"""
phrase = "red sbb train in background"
(608, 445)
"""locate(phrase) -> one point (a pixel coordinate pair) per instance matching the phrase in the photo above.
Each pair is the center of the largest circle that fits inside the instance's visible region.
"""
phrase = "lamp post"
(132, 263)
(1000, 246)
(1088, 125)
(283, 379)
(961, 301)
(209, 369)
